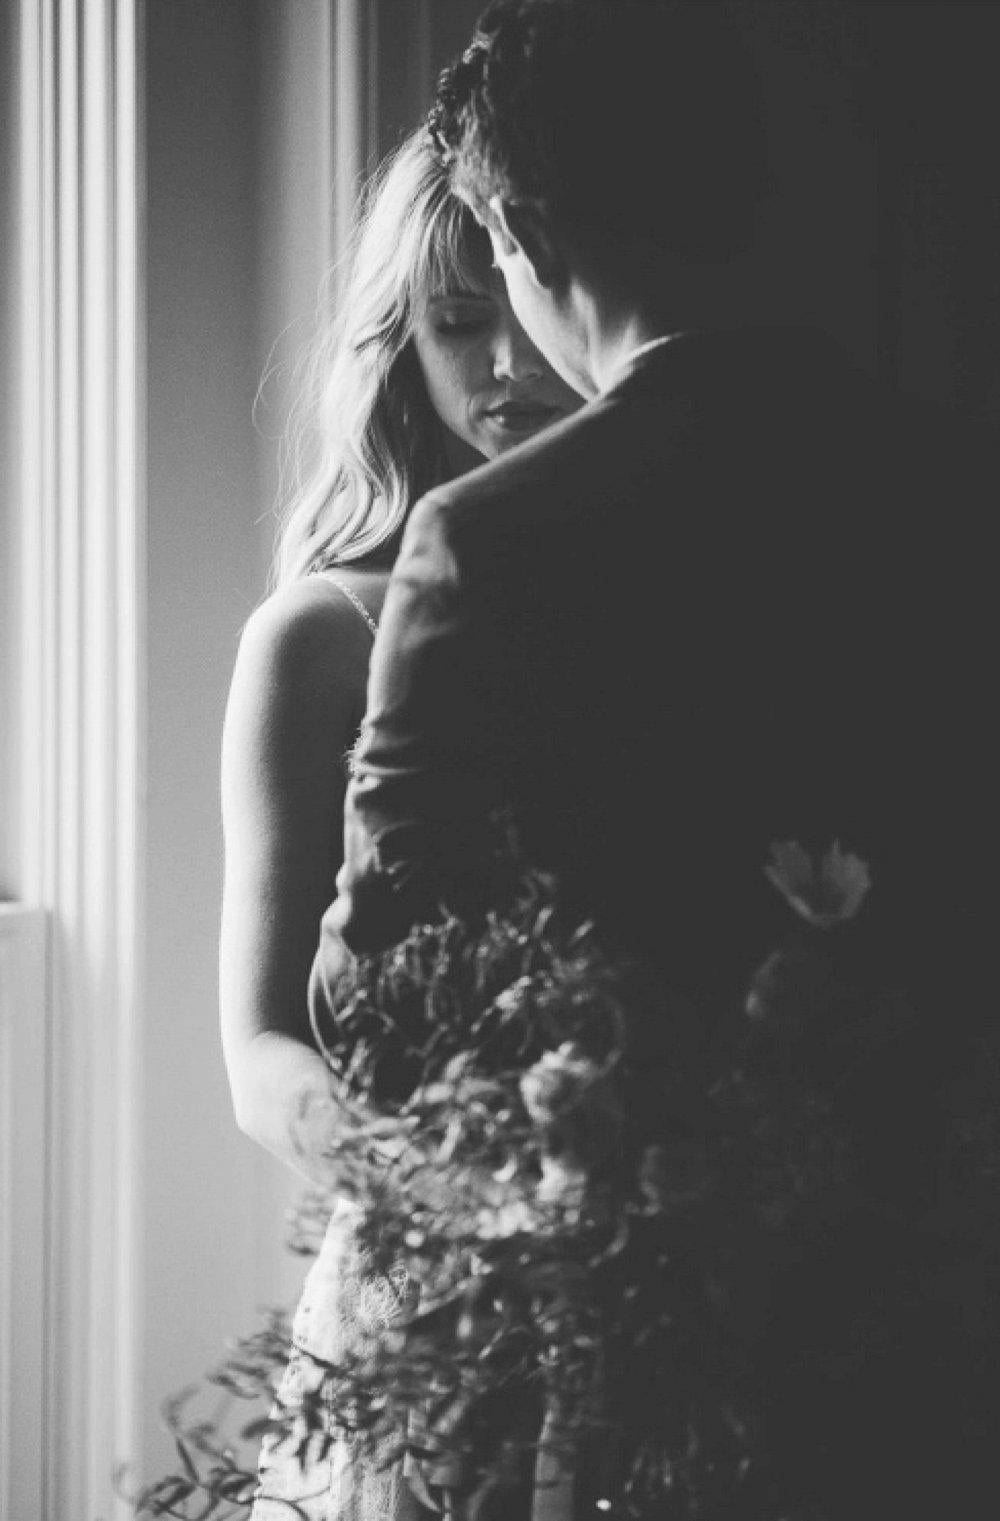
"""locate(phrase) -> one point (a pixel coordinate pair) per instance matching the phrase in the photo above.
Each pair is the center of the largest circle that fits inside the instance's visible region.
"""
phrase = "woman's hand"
(351, 1145)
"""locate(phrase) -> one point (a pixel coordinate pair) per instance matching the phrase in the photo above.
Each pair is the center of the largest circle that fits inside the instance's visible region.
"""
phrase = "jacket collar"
(697, 360)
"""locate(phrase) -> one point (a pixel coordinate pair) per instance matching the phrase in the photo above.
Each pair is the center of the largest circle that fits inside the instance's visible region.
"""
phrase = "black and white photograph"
(498, 827)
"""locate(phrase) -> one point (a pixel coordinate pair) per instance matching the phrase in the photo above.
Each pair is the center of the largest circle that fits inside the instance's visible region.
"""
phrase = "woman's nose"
(515, 357)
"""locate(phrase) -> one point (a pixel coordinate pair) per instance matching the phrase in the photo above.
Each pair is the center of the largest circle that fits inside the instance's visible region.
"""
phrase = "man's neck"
(606, 325)
(613, 324)
(612, 349)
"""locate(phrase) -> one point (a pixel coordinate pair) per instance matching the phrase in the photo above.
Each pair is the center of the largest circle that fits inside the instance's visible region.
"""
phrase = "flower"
(562, 1184)
(573, 1101)
(557, 1083)
(512, 1218)
(825, 897)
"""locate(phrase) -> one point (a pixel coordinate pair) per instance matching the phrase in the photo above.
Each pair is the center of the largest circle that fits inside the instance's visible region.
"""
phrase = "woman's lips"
(521, 415)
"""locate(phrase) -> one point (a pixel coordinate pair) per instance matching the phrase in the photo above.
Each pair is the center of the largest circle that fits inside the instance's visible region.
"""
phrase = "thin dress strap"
(353, 598)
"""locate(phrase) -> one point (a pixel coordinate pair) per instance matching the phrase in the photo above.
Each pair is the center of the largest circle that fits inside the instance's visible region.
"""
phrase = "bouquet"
(649, 1249)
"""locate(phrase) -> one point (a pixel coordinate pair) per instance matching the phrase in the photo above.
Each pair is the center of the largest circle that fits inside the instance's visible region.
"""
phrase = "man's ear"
(521, 229)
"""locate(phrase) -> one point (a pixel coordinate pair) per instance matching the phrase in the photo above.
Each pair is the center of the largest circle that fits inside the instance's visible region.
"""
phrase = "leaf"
(824, 896)
(264, 1425)
(186, 1460)
(168, 1493)
(237, 1488)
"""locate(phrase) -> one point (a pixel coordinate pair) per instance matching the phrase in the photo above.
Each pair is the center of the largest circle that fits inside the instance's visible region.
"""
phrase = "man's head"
(622, 134)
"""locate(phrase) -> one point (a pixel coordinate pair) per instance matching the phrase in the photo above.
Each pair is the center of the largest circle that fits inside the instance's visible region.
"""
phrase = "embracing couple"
(709, 609)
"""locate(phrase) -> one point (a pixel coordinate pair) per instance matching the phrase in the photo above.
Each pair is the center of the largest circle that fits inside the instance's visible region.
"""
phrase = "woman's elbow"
(246, 1101)
(252, 1083)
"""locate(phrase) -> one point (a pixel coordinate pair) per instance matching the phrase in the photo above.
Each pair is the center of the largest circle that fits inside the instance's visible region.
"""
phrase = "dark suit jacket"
(741, 597)
(731, 601)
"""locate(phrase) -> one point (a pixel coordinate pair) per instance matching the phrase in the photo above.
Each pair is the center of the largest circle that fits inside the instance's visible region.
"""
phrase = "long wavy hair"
(364, 420)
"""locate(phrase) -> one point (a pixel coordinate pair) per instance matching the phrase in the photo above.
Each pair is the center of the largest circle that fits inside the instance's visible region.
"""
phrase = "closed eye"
(462, 314)
(460, 325)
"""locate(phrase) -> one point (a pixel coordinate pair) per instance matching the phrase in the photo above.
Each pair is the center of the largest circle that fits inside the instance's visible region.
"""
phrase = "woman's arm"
(296, 699)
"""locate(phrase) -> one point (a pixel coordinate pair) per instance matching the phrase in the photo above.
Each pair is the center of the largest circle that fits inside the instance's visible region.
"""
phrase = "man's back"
(716, 609)
(740, 599)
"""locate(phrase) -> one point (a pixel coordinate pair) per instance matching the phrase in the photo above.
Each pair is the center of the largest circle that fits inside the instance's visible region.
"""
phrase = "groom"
(714, 609)
(710, 610)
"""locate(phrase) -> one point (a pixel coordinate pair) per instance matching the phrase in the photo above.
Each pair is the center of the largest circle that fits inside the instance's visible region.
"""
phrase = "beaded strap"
(353, 598)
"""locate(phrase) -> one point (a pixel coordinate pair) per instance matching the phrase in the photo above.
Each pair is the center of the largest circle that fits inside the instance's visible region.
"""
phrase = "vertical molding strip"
(423, 61)
(22, 1196)
(347, 125)
(354, 122)
(129, 551)
(81, 513)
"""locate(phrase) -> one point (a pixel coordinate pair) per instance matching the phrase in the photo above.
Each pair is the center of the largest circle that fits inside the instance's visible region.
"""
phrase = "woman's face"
(487, 382)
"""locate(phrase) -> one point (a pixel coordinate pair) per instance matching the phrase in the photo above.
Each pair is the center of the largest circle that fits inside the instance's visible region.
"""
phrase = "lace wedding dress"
(344, 1300)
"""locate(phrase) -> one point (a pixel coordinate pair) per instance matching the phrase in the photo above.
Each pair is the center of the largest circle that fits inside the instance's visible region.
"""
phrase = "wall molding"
(23, 1010)
(80, 516)
(381, 75)
(353, 126)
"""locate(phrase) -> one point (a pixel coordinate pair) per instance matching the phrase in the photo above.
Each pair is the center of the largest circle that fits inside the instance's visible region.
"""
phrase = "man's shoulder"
(533, 465)
(560, 473)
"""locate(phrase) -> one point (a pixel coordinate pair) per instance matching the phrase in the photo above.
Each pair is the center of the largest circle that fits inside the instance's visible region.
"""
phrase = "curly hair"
(366, 442)
(641, 118)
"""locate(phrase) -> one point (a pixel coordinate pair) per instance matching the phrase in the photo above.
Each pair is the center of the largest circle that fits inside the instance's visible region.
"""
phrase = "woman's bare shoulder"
(308, 628)
(300, 673)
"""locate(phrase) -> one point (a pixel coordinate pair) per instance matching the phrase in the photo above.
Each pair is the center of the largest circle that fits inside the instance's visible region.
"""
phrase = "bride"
(425, 374)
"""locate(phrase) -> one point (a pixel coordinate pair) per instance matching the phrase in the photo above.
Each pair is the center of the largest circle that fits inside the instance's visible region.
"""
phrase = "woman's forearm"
(283, 1099)
(286, 1100)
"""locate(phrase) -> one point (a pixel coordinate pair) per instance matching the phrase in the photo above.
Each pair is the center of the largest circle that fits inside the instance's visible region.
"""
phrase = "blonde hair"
(377, 445)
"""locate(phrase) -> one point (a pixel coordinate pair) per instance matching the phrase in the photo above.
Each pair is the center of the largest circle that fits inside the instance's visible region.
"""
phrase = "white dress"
(343, 1300)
